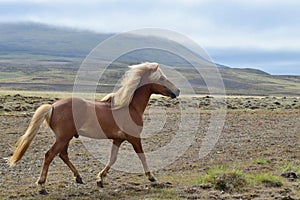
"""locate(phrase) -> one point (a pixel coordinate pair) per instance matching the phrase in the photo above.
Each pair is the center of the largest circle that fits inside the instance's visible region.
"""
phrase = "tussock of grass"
(232, 180)
(269, 180)
(291, 167)
(290, 172)
(222, 178)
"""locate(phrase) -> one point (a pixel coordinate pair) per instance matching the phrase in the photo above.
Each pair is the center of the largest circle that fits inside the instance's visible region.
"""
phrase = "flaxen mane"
(129, 84)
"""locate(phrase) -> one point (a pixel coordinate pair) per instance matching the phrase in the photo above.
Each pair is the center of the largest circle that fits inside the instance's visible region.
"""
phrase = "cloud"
(213, 23)
(48, 2)
(269, 25)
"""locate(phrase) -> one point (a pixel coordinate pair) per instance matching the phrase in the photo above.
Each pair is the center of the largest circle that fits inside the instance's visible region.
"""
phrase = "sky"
(262, 34)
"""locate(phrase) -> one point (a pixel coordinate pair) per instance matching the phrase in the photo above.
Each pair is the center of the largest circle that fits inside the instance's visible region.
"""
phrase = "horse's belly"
(92, 134)
(98, 133)
(92, 131)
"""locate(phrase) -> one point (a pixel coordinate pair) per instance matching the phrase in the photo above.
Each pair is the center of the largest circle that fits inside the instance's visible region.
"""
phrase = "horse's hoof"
(100, 184)
(79, 180)
(44, 192)
(152, 179)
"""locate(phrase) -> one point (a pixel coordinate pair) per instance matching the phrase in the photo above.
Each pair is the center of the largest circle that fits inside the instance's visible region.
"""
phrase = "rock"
(24, 108)
(168, 105)
(7, 109)
(253, 107)
(206, 186)
(17, 95)
(277, 103)
(232, 106)
(161, 185)
(288, 198)
(288, 107)
(263, 104)
(290, 175)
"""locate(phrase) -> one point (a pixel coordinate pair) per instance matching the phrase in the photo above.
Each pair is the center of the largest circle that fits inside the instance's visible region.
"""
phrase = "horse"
(118, 117)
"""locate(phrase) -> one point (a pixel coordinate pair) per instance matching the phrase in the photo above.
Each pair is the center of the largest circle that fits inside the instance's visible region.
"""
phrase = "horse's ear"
(154, 67)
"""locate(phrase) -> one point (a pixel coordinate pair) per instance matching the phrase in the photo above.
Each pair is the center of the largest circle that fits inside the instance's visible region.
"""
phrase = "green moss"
(260, 161)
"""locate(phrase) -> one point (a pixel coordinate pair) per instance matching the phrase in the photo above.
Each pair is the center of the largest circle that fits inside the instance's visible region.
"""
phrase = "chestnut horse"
(118, 116)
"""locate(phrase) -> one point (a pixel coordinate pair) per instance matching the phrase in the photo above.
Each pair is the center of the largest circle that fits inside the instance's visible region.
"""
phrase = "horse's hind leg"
(64, 156)
(113, 157)
(50, 154)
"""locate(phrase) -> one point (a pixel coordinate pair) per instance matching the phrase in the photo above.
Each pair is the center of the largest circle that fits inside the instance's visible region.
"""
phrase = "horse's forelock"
(155, 75)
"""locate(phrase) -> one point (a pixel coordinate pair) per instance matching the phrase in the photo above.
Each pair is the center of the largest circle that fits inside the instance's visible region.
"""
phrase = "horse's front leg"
(137, 145)
(113, 157)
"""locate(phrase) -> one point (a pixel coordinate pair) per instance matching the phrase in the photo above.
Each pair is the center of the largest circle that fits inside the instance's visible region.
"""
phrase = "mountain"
(38, 57)
(40, 39)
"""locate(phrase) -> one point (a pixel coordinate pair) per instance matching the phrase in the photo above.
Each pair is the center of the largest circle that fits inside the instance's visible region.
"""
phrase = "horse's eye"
(161, 78)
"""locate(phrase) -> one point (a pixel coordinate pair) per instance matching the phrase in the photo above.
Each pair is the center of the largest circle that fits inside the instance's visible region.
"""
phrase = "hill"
(39, 39)
(42, 57)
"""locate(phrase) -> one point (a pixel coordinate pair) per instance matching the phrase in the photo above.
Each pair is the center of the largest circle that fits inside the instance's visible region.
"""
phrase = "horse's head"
(160, 83)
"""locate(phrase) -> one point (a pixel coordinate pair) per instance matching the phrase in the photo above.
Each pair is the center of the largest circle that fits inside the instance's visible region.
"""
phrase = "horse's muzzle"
(174, 93)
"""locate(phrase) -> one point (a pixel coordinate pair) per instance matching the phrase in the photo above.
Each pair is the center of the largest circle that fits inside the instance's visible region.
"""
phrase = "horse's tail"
(44, 112)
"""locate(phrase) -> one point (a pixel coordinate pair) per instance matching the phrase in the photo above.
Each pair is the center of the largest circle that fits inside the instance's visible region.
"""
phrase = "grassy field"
(58, 73)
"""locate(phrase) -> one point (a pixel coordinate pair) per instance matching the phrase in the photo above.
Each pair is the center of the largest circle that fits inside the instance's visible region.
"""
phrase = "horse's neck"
(141, 98)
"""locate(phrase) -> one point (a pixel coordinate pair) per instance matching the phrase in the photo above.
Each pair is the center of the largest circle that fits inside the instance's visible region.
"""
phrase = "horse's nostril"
(176, 92)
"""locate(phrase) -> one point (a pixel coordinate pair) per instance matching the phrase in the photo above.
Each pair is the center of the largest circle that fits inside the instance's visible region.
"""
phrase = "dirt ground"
(260, 135)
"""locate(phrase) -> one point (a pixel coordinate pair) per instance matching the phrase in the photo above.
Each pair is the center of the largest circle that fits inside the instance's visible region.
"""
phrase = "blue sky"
(261, 34)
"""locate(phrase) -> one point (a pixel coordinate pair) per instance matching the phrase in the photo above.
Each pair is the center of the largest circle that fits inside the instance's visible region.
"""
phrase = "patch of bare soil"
(260, 135)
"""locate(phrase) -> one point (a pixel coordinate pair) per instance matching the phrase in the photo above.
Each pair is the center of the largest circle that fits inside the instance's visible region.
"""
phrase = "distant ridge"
(35, 38)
